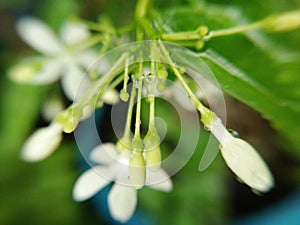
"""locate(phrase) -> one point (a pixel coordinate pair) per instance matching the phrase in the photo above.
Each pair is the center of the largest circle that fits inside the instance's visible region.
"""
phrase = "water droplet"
(233, 133)
(150, 78)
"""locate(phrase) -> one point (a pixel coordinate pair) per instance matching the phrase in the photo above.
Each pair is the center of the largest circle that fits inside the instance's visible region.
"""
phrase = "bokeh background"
(41, 193)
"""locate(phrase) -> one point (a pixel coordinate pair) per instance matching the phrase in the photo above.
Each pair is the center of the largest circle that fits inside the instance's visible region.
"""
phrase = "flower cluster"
(135, 160)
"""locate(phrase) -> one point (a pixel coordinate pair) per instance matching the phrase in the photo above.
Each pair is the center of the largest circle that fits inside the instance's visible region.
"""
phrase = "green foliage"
(259, 70)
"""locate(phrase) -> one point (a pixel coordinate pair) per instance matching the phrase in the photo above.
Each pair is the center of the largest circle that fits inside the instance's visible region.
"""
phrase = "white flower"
(243, 159)
(59, 60)
(122, 198)
(42, 143)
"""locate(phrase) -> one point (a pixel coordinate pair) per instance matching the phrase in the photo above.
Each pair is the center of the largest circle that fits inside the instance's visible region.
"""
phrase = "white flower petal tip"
(88, 184)
(74, 32)
(104, 153)
(166, 186)
(42, 143)
(248, 165)
(122, 202)
(159, 180)
(38, 35)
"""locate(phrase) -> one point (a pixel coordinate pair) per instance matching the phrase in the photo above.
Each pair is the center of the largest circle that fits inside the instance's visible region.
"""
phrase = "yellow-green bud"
(153, 158)
(152, 149)
(162, 74)
(199, 45)
(137, 169)
(202, 31)
(160, 87)
(284, 22)
(69, 119)
(124, 144)
(124, 95)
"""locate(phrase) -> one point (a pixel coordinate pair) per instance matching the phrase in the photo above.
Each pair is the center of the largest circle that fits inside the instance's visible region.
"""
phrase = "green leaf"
(275, 106)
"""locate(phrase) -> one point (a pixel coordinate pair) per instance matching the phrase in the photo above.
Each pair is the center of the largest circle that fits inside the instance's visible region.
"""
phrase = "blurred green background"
(40, 193)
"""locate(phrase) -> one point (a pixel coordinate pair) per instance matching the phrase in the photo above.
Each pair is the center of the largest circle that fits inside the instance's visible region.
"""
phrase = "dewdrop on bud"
(242, 159)
(284, 22)
(137, 169)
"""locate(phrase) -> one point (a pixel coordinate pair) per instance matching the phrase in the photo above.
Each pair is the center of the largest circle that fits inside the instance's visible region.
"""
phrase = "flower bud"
(247, 164)
(152, 149)
(284, 22)
(153, 158)
(162, 74)
(137, 169)
(202, 31)
(69, 119)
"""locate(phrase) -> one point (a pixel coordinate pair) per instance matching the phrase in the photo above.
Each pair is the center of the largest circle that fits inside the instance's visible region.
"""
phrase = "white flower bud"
(137, 170)
(42, 143)
(247, 164)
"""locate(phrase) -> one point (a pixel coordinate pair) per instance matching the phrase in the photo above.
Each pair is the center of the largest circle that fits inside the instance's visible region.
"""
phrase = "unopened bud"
(69, 119)
(162, 74)
(153, 158)
(137, 169)
(153, 154)
(202, 31)
(284, 22)
(124, 95)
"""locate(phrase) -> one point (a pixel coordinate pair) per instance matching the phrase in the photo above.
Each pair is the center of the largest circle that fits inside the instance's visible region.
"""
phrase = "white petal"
(87, 58)
(49, 72)
(122, 202)
(247, 164)
(110, 96)
(36, 71)
(38, 35)
(74, 32)
(90, 182)
(42, 143)
(159, 180)
(220, 132)
(104, 153)
(74, 82)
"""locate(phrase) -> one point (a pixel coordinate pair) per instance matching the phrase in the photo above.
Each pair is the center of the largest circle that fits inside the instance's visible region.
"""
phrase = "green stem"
(129, 114)
(125, 76)
(151, 95)
(234, 30)
(88, 43)
(139, 78)
(180, 36)
(205, 112)
(142, 8)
